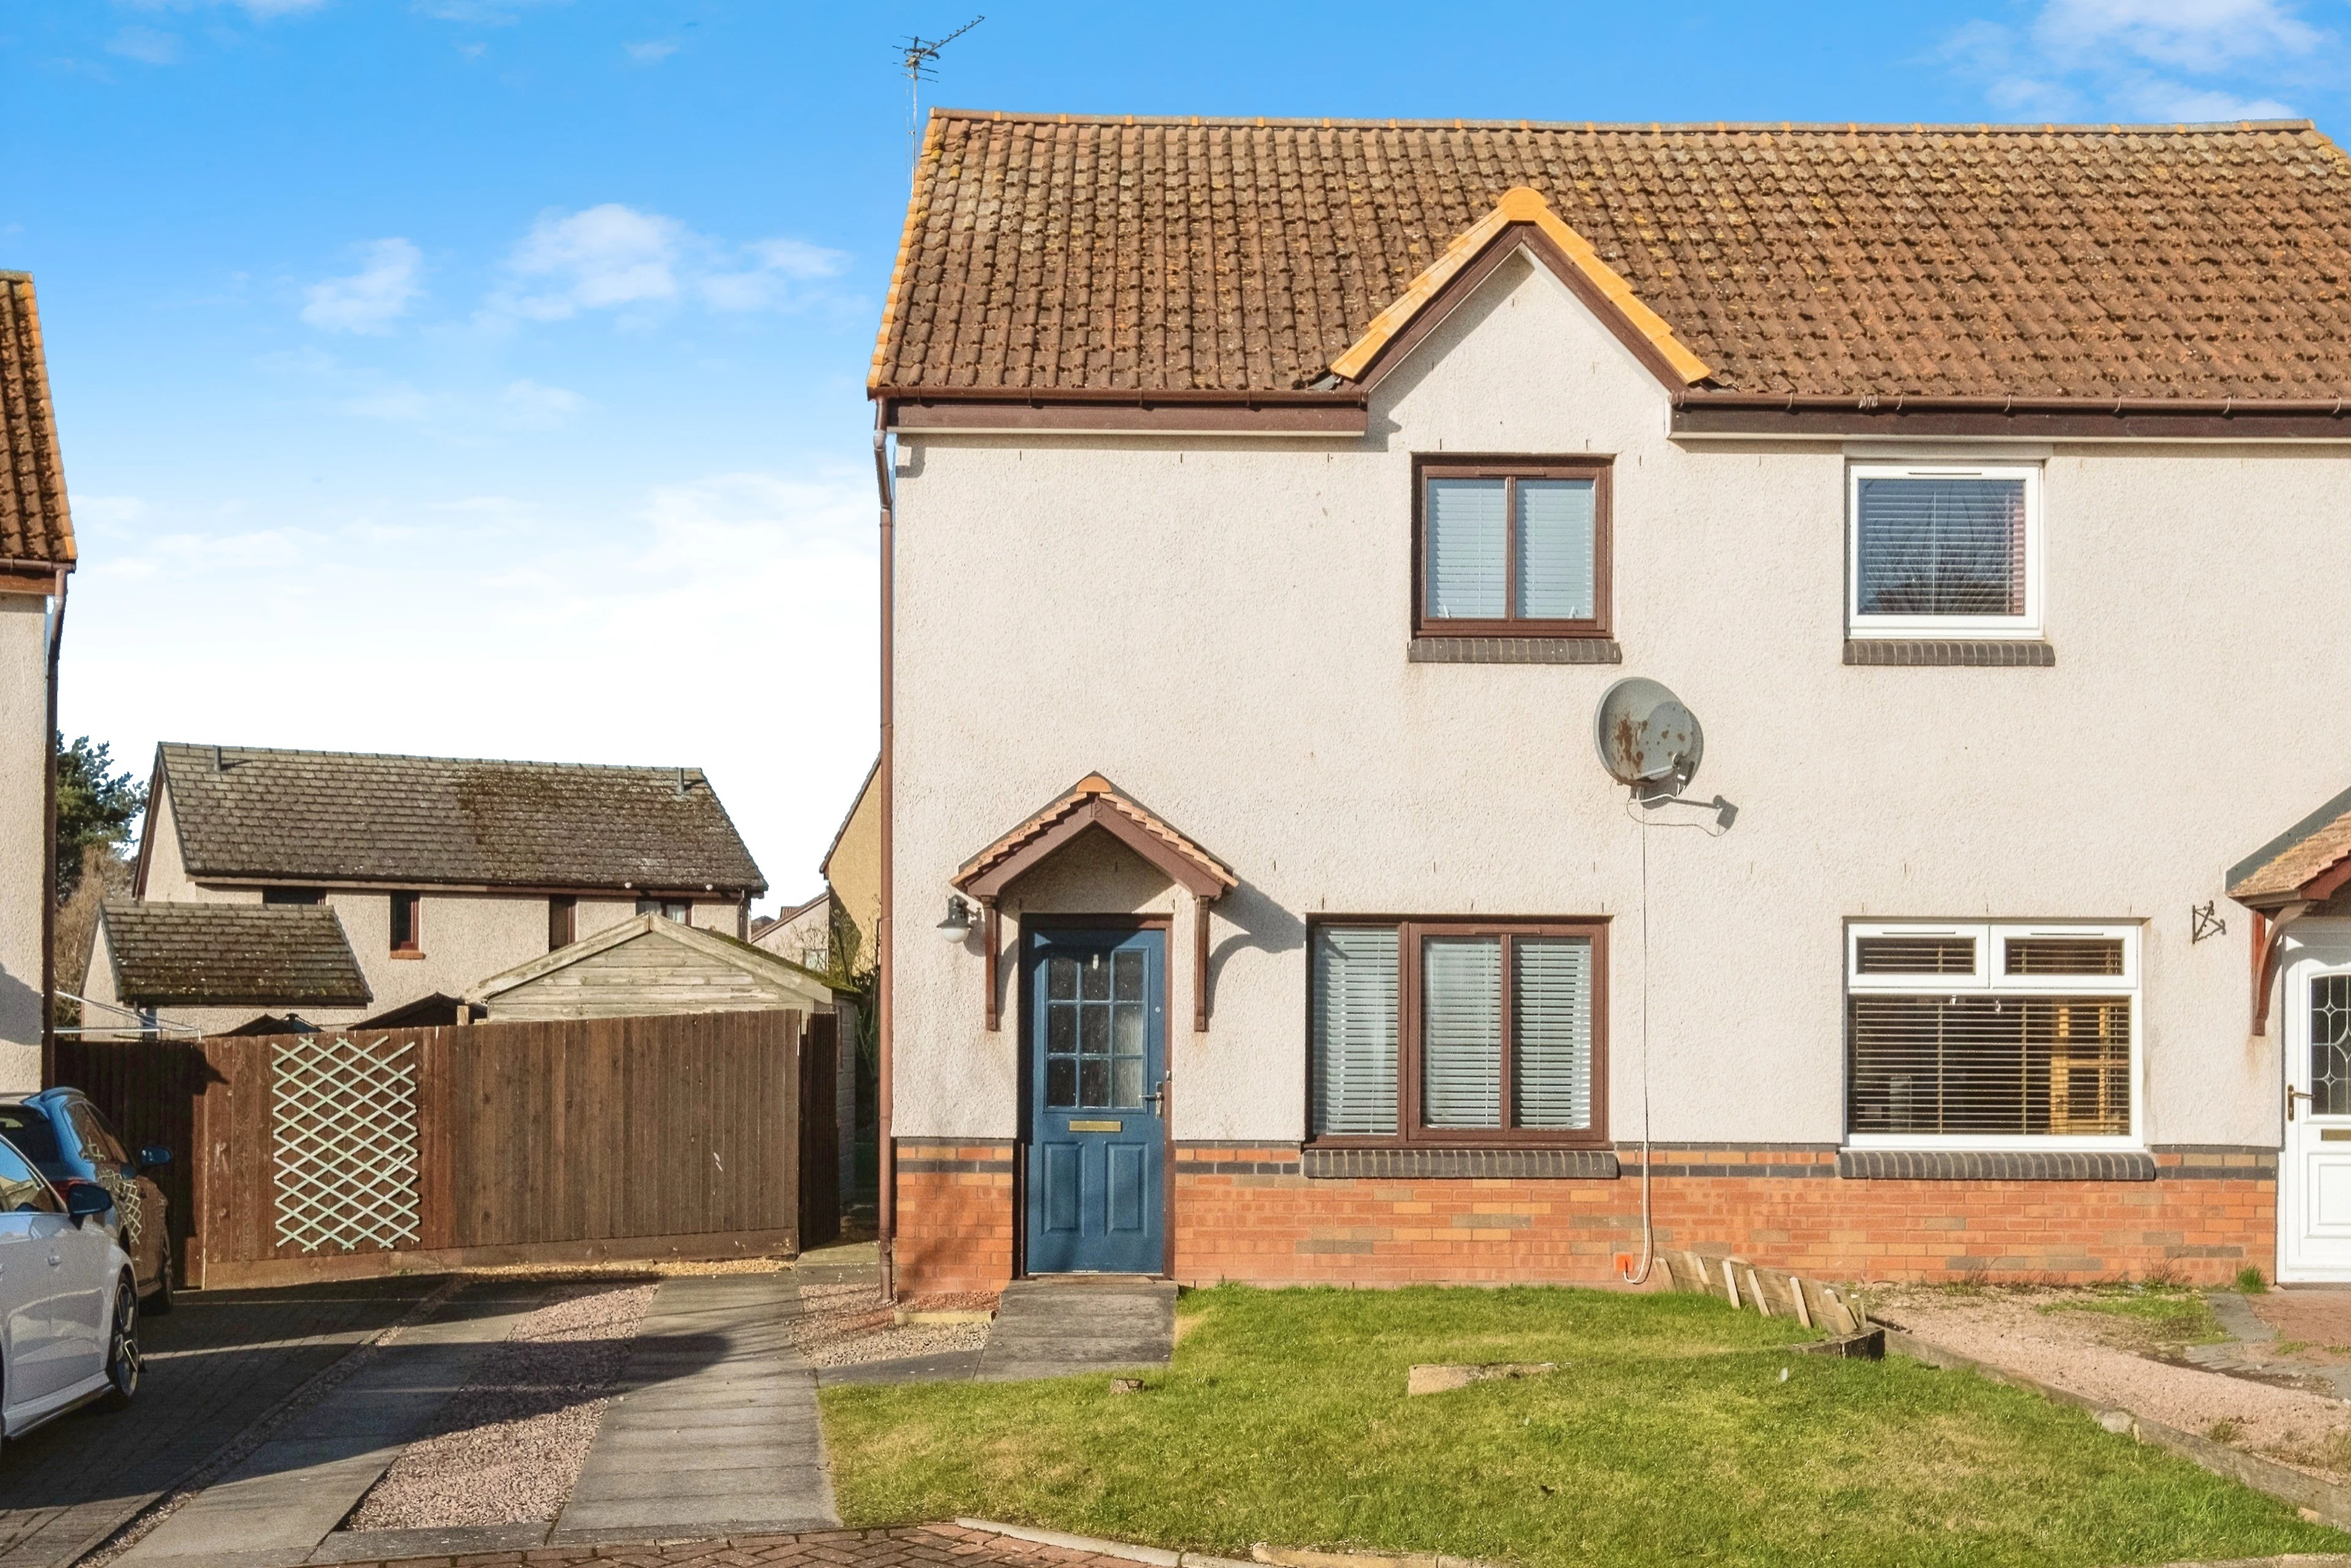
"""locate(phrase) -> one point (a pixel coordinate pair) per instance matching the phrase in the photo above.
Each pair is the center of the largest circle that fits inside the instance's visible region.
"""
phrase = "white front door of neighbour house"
(2314, 1166)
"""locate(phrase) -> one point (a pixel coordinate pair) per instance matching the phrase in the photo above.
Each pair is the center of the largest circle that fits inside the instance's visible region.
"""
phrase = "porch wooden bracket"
(1095, 802)
(2269, 942)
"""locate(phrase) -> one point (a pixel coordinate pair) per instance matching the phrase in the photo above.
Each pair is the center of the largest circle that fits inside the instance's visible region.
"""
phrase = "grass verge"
(1669, 1435)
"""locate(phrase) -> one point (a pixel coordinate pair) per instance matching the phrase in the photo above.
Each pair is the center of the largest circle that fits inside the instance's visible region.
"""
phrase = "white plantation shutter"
(1551, 989)
(1354, 1032)
(1466, 549)
(1940, 546)
(1461, 1031)
(1555, 560)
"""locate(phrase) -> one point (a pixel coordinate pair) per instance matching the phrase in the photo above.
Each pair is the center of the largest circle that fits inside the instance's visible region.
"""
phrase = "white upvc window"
(2012, 1035)
(1943, 549)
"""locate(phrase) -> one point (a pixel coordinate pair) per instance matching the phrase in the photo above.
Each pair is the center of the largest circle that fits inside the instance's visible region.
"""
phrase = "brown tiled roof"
(232, 954)
(1053, 254)
(35, 526)
(332, 815)
(1091, 794)
(2296, 859)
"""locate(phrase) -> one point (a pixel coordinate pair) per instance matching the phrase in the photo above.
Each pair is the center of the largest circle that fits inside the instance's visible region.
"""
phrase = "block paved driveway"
(907, 1546)
(213, 1368)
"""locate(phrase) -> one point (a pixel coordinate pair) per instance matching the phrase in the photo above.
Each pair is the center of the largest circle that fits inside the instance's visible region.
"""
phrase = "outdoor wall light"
(957, 925)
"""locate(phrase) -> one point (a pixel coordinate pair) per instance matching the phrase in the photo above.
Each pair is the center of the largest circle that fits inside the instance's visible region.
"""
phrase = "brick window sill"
(1980, 653)
(1517, 1165)
(1514, 650)
(407, 953)
(2012, 1165)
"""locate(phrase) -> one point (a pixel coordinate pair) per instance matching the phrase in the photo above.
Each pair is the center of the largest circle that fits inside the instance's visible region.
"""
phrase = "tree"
(96, 805)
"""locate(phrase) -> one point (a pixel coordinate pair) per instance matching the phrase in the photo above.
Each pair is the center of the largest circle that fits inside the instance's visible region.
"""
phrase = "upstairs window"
(293, 895)
(1513, 549)
(562, 921)
(1991, 1036)
(1941, 552)
(678, 909)
(407, 926)
(1457, 1033)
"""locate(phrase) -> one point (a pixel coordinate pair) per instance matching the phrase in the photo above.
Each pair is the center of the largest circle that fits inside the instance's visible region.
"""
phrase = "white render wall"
(23, 837)
(1220, 626)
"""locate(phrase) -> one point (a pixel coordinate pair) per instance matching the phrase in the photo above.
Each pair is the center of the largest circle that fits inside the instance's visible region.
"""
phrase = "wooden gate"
(381, 1151)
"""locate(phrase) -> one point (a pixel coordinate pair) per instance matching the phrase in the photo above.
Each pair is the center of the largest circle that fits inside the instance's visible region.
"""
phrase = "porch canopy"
(1095, 802)
(2303, 869)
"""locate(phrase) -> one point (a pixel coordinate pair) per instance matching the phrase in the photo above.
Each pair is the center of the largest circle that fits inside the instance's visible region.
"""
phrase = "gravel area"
(845, 1325)
(2079, 1351)
(526, 1422)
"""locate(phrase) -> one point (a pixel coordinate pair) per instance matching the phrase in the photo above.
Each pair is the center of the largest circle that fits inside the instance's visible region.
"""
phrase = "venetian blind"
(1555, 554)
(1942, 546)
(1461, 1031)
(1354, 1045)
(1552, 1052)
(1466, 549)
(1990, 1065)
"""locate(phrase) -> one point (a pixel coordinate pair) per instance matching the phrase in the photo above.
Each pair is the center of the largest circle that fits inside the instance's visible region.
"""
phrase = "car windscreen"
(30, 1130)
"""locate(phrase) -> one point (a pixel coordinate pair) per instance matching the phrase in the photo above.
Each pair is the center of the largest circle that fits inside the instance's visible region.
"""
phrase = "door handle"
(2292, 1095)
(1155, 1096)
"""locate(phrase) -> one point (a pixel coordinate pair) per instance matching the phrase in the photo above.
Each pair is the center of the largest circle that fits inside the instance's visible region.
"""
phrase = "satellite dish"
(1646, 737)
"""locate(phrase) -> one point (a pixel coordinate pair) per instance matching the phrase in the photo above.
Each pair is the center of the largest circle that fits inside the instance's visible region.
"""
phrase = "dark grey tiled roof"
(332, 815)
(232, 954)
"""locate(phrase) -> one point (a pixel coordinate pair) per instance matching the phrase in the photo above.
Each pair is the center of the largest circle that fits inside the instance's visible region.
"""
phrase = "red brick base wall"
(1247, 1214)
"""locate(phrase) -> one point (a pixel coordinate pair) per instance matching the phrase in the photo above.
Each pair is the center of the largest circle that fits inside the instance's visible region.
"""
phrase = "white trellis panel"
(343, 1144)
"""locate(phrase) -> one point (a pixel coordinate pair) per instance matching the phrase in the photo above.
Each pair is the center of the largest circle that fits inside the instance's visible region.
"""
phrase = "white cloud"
(372, 299)
(480, 13)
(145, 44)
(652, 52)
(2129, 59)
(612, 257)
(540, 407)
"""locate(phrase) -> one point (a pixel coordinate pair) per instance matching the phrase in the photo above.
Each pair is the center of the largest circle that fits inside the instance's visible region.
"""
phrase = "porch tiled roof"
(1092, 791)
(231, 955)
(2301, 858)
(1051, 253)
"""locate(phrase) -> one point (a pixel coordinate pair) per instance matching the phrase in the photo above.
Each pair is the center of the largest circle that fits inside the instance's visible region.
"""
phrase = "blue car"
(69, 1142)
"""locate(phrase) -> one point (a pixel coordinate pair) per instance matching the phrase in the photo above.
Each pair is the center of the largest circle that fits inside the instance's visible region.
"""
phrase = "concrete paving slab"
(946, 1366)
(1057, 1328)
(716, 1430)
(388, 1546)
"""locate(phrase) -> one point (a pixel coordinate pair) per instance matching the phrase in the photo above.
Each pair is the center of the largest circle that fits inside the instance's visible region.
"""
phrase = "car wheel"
(159, 1304)
(122, 1366)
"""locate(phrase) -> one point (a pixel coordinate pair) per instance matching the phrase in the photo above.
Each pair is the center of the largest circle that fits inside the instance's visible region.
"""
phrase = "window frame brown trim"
(563, 916)
(414, 946)
(1411, 931)
(1599, 469)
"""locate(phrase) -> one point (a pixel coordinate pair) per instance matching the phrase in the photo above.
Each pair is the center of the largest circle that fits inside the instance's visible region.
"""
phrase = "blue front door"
(1097, 1021)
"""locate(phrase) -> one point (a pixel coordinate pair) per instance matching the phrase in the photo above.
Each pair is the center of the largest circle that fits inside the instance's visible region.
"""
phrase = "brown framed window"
(407, 927)
(1511, 546)
(293, 895)
(1458, 1032)
(562, 921)
(678, 909)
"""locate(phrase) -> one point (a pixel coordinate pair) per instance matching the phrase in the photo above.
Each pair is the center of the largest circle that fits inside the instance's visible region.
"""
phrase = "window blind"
(1990, 1065)
(1940, 546)
(1915, 955)
(1551, 1052)
(1466, 549)
(1555, 550)
(1461, 1031)
(1354, 1065)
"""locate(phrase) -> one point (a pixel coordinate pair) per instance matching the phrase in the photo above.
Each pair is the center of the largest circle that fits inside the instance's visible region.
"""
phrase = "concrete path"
(1059, 1327)
(281, 1501)
(906, 1546)
(214, 1368)
(715, 1432)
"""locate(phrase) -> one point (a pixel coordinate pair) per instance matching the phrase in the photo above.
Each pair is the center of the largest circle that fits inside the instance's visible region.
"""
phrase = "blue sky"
(485, 377)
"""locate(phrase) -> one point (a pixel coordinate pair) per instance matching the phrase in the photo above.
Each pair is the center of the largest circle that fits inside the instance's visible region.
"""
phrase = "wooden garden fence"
(365, 1152)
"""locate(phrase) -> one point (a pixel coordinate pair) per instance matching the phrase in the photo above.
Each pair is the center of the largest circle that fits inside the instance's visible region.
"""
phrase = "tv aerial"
(920, 60)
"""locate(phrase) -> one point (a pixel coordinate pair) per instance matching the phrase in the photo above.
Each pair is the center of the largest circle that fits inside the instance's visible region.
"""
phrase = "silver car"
(68, 1302)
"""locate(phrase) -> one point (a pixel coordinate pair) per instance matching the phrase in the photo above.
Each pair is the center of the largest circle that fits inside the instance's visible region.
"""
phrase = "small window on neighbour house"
(562, 922)
(678, 909)
(1944, 551)
(1458, 1032)
(293, 895)
(406, 924)
(1513, 549)
(1991, 1036)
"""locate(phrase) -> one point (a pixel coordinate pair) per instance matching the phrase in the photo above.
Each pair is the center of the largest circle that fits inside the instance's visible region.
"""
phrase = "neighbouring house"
(803, 935)
(439, 871)
(1257, 906)
(36, 554)
(852, 874)
(644, 966)
(214, 968)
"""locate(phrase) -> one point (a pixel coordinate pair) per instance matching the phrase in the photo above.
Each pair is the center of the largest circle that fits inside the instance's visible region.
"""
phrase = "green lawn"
(1668, 1436)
